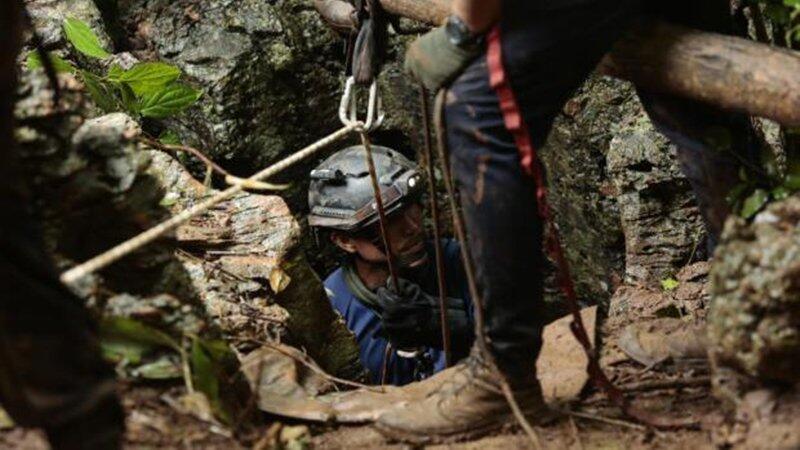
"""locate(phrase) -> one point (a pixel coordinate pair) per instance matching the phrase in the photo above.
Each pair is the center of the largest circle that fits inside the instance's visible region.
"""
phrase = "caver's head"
(341, 199)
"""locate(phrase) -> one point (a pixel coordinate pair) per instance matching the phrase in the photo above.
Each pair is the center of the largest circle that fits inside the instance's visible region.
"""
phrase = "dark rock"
(585, 208)
(272, 73)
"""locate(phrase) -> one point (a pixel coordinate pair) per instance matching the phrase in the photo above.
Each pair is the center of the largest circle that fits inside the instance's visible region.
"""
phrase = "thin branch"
(607, 420)
(653, 385)
(212, 166)
(575, 434)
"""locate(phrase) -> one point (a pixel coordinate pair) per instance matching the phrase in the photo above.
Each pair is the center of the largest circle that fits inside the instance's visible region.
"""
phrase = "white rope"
(106, 258)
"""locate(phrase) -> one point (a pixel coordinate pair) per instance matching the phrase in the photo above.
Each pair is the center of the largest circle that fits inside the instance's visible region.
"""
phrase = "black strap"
(369, 48)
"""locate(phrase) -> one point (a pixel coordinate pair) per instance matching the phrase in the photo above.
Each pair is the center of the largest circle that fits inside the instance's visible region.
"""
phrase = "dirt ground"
(153, 422)
(677, 388)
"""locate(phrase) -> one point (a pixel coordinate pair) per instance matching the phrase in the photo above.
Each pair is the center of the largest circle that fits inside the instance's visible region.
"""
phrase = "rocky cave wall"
(272, 74)
(236, 272)
(252, 56)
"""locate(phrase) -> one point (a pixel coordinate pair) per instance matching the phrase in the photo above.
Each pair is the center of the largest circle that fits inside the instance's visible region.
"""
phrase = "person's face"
(406, 235)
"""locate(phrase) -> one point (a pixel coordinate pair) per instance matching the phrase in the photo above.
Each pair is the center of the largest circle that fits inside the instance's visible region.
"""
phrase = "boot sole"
(395, 434)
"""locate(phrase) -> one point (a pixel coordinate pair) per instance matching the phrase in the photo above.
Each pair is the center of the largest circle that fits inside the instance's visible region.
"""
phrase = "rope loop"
(348, 107)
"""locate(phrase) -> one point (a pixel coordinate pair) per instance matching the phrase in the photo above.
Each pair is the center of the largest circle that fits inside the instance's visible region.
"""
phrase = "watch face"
(459, 33)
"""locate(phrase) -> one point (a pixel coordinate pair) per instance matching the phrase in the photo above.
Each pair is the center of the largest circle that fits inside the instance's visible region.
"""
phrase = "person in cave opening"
(398, 330)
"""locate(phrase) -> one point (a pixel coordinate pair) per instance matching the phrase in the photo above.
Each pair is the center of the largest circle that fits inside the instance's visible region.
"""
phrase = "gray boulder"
(754, 317)
(234, 272)
(272, 73)
(662, 225)
(624, 209)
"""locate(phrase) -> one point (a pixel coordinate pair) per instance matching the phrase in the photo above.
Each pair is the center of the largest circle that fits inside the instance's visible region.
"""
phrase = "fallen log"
(729, 72)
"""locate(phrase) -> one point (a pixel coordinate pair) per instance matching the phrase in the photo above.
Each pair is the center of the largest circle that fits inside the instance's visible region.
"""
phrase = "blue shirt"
(374, 350)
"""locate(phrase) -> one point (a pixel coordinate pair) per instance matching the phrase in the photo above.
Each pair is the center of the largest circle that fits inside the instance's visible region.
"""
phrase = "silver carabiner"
(348, 107)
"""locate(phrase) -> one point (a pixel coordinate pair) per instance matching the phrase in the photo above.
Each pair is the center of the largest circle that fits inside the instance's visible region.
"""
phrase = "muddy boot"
(366, 405)
(468, 404)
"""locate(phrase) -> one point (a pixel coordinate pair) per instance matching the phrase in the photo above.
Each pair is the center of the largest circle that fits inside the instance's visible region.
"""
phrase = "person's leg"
(712, 145)
(503, 226)
(547, 56)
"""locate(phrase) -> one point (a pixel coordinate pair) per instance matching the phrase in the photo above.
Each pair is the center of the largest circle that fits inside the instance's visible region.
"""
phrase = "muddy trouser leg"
(51, 372)
(499, 200)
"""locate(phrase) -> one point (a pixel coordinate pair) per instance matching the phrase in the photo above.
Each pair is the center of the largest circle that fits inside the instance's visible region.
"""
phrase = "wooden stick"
(575, 433)
(608, 420)
(653, 385)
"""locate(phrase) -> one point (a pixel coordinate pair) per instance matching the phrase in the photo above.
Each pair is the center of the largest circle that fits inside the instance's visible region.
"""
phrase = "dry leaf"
(278, 280)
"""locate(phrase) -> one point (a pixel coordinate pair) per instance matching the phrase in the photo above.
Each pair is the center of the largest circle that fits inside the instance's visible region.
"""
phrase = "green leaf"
(126, 329)
(169, 200)
(149, 78)
(754, 203)
(169, 137)
(6, 421)
(114, 72)
(792, 3)
(792, 182)
(164, 368)
(117, 350)
(34, 61)
(83, 38)
(779, 14)
(780, 193)
(205, 373)
(101, 92)
(670, 284)
(129, 100)
(736, 193)
(171, 100)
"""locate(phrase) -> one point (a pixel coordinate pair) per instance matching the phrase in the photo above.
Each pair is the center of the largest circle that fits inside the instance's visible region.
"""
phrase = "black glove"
(411, 318)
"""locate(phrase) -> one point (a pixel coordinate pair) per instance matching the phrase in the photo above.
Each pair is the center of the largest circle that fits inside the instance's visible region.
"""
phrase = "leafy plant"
(148, 89)
(670, 284)
(784, 16)
(753, 193)
(148, 353)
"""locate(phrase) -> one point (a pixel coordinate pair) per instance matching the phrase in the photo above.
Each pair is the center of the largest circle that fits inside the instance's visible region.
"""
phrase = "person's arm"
(338, 14)
(438, 57)
(478, 15)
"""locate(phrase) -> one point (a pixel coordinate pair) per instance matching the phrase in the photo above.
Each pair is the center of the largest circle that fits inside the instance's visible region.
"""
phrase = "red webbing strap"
(514, 122)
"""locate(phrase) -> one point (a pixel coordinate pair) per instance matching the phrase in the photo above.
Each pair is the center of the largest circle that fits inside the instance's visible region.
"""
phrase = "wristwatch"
(460, 35)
